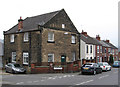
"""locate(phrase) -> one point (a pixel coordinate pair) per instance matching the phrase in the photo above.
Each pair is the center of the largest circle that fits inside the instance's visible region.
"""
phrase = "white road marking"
(65, 76)
(84, 82)
(50, 78)
(72, 75)
(60, 77)
(29, 81)
(103, 76)
(42, 80)
(36, 81)
(19, 83)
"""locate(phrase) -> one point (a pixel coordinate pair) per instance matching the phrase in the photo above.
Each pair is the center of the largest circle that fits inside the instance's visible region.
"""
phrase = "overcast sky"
(94, 16)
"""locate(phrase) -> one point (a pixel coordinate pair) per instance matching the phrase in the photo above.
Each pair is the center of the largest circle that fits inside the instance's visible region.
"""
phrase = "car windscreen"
(105, 64)
(116, 62)
(87, 65)
(17, 65)
(101, 64)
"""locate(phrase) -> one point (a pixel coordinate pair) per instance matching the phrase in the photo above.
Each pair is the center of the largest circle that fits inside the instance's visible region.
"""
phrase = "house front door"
(63, 59)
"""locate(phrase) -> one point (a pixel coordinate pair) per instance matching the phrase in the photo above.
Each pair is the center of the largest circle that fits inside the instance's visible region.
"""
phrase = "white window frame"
(98, 58)
(98, 49)
(73, 56)
(49, 36)
(25, 55)
(12, 38)
(26, 37)
(51, 54)
(73, 39)
(63, 26)
(14, 57)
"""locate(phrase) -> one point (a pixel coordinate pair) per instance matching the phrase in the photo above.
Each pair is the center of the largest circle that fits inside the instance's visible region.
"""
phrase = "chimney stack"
(108, 41)
(98, 37)
(84, 33)
(20, 23)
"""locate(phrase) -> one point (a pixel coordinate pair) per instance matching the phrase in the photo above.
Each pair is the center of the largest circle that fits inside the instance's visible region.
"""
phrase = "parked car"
(116, 64)
(14, 68)
(92, 68)
(105, 66)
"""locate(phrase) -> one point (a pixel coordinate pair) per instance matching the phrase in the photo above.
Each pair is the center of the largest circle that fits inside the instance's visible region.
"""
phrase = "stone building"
(51, 37)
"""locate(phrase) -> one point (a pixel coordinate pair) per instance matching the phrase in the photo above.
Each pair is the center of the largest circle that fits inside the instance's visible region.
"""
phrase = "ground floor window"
(51, 57)
(98, 59)
(73, 56)
(13, 56)
(25, 57)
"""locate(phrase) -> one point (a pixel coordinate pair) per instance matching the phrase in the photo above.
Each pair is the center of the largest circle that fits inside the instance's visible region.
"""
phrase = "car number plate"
(85, 68)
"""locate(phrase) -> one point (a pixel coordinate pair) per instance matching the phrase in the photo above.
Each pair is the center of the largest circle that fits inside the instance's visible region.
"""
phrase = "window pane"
(73, 56)
(50, 36)
(13, 56)
(25, 36)
(12, 38)
(50, 57)
(73, 39)
(25, 58)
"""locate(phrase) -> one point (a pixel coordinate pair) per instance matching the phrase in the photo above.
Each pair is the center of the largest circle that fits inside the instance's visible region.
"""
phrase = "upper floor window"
(50, 57)
(101, 49)
(26, 37)
(90, 49)
(50, 36)
(109, 50)
(73, 56)
(97, 49)
(87, 49)
(63, 25)
(105, 50)
(73, 39)
(13, 56)
(25, 57)
(12, 38)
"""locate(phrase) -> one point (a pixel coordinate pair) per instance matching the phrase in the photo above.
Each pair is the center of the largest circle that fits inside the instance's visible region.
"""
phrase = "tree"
(111, 59)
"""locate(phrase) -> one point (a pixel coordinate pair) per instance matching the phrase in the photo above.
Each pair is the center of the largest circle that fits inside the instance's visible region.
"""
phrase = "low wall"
(53, 68)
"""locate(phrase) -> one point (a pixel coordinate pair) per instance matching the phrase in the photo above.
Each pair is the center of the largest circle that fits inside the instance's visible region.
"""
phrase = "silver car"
(14, 68)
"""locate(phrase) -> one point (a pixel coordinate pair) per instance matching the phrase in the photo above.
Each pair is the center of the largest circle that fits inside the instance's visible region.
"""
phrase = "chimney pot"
(98, 37)
(20, 23)
(107, 41)
(84, 33)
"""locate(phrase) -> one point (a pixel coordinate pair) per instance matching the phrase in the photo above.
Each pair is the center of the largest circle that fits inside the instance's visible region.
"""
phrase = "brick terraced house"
(113, 50)
(88, 48)
(44, 40)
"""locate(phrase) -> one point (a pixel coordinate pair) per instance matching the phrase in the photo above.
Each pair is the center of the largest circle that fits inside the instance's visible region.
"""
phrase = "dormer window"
(12, 38)
(26, 37)
(63, 25)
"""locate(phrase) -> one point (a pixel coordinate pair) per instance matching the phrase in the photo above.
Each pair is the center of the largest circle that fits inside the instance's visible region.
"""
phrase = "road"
(71, 79)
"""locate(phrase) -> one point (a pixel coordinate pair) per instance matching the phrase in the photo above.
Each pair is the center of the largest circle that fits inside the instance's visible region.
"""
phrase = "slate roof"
(89, 40)
(111, 45)
(102, 42)
(31, 23)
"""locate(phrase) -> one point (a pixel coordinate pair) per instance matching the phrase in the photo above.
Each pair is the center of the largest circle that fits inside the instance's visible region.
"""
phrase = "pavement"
(59, 79)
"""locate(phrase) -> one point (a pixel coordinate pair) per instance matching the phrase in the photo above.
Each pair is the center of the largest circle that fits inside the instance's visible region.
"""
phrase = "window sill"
(73, 43)
(50, 41)
(26, 64)
(12, 42)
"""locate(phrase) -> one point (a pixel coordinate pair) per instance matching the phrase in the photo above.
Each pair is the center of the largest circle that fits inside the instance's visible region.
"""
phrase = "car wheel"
(82, 73)
(94, 72)
(101, 71)
(13, 72)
